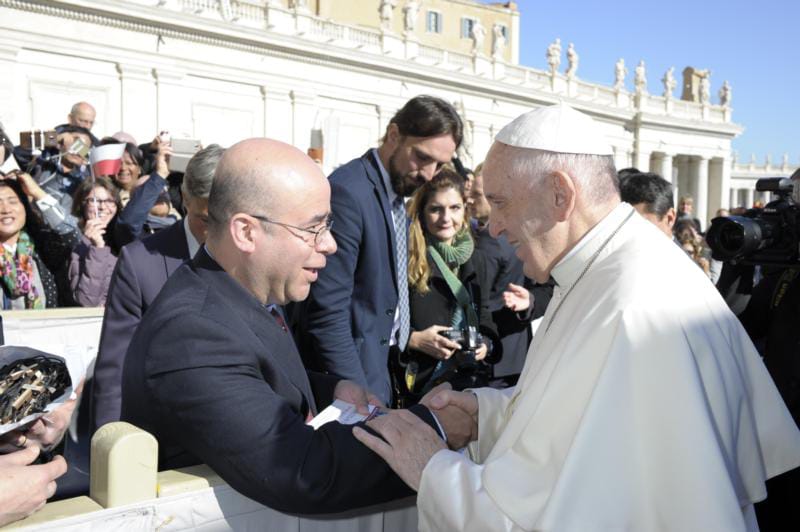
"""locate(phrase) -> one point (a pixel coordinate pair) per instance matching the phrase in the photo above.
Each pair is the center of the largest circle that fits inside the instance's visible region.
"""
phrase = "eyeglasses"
(108, 202)
(318, 233)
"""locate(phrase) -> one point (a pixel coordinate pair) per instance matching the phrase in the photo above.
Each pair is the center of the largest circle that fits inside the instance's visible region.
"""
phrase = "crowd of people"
(245, 294)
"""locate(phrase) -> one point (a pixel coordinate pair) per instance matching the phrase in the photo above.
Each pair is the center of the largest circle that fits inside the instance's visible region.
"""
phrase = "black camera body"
(760, 236)
(469, 339)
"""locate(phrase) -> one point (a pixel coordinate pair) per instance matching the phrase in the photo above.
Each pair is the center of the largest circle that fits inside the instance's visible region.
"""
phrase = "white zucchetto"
(558, 128)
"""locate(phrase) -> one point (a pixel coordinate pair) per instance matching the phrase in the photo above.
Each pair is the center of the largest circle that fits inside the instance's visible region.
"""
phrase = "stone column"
(700, 189)
(277, 113)
(11, 114)
(385, 114)
(138, 101)
(665, 166)
(642, 161)
(683, 182)
(303, 114)
(734, 198)
(726, 168)
(482, 140)
(749, 197)
(173, 107)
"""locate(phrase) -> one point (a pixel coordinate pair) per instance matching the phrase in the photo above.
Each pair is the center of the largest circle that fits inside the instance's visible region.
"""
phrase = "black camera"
(469, 339)
(760, 236)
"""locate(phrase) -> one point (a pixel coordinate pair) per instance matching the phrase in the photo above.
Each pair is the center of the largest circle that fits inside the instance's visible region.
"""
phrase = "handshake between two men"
(409, 443)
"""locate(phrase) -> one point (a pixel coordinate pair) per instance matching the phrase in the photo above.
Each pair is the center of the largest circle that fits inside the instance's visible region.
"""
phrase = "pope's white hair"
(594, 175)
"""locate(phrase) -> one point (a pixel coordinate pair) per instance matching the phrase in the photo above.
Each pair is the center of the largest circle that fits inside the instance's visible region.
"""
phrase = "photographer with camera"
(768, 239)
(60, 174)
(452, 328)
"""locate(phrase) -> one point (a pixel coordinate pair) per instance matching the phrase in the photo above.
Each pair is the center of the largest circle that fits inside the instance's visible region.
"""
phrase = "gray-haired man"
(142, 269)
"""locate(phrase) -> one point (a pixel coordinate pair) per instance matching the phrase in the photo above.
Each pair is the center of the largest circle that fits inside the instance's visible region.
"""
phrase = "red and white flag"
(106, 159)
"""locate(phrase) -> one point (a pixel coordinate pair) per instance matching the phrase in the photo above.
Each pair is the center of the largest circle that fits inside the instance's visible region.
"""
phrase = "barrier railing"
(127, 493)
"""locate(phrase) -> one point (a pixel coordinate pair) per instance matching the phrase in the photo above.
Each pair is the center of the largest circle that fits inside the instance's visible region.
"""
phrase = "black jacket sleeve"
(213, 400)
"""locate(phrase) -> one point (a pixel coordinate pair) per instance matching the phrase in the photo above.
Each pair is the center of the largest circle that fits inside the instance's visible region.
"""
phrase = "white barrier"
(221, 508)
(67, 332)
(193, 498)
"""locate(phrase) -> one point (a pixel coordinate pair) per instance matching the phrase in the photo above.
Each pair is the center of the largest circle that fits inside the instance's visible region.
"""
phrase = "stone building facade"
(223, 70)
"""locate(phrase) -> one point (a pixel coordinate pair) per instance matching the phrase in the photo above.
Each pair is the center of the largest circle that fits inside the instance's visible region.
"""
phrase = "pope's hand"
(407, 446)
(351, 392)
(456, 411)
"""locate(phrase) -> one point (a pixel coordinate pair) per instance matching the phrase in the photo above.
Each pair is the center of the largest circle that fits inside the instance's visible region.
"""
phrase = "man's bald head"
(254, 175)
(82, 114)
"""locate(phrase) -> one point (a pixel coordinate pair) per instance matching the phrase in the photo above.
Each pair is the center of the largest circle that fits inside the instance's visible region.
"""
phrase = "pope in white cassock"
(642, 406)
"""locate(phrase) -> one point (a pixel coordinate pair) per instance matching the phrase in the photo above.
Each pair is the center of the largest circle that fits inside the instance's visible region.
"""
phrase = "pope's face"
(521, 210)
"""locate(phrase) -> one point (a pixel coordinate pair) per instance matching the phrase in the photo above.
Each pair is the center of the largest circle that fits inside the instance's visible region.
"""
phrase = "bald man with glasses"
(216, 376)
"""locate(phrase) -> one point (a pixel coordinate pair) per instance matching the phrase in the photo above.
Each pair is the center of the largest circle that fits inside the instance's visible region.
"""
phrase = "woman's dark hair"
(428, 116)
(86, 188)
(33, 223)
(132, 150)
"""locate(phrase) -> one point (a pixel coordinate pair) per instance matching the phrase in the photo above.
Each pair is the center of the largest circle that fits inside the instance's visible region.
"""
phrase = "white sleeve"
(492, 406)
(452, 497)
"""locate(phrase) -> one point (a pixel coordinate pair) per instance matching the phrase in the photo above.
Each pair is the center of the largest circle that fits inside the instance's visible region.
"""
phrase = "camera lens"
(735, 237)
(731, 237)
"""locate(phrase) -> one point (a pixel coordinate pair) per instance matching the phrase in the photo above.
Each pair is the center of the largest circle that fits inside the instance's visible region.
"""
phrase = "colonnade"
(706, 179)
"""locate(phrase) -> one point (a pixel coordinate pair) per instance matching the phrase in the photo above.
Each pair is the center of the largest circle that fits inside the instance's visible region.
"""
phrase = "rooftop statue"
(498, 41)
(478, 34)
(725, 94)
(669, 83)
(386, 11)
(410, 11)
(619, 74)
(554, 56)
(705, 88)
(572, 61)
(640, 78)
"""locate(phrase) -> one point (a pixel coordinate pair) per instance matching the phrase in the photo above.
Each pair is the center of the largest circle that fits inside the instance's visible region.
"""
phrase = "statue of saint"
(640, 78)
(619, 74)
(725, 94)
(669, 83)
(410, 11)
(478, 34)
(705, 88)
(386, 11)
(225, 10)
(572, 61)
(554, 56)
(498, 42)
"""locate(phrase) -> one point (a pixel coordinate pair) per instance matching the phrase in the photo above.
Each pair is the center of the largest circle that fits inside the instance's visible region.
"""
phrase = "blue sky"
(753, 44)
